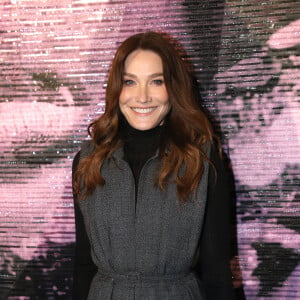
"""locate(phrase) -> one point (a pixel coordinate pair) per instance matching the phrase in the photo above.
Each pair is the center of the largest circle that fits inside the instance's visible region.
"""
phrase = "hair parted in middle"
(187, 127)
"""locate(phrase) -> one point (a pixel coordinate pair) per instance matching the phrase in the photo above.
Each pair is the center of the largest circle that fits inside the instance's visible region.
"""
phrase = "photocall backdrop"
(54, 58)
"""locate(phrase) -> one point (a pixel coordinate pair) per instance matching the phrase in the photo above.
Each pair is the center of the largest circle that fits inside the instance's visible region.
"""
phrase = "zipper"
(137, 191)
(136, 198)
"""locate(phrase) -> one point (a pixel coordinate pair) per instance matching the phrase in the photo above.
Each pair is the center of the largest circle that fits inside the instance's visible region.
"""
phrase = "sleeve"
(84, 268)
(213, 265)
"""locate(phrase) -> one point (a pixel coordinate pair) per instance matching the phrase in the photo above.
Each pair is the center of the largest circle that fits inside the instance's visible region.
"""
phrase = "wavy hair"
(187, 127)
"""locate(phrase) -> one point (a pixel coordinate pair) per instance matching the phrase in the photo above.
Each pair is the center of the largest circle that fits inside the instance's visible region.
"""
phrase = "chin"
(142, 127)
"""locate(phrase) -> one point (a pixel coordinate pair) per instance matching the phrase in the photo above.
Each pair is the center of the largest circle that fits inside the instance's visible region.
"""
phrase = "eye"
(128, 82)
(158, 81)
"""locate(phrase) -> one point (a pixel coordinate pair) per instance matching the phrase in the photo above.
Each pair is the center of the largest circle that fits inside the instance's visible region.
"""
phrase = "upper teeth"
(143, 110)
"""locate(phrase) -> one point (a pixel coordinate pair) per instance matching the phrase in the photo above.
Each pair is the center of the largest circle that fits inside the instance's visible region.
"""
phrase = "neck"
(127, 131)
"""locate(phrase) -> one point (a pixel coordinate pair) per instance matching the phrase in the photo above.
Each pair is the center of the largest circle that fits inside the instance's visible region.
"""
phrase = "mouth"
(143, 110)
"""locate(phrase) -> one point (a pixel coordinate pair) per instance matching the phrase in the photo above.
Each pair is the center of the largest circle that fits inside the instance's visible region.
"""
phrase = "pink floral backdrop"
(54, 58)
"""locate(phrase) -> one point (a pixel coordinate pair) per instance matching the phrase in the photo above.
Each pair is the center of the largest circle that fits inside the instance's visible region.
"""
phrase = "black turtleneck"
(139, 146)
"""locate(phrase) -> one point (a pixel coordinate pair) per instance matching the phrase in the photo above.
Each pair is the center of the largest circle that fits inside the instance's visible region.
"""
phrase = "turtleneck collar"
(139, 145)
(128, 132)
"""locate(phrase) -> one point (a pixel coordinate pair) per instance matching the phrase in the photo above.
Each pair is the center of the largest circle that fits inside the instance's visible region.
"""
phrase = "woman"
(150, 186)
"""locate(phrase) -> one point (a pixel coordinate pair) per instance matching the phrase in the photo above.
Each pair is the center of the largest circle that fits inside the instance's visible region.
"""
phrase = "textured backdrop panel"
(54, 58)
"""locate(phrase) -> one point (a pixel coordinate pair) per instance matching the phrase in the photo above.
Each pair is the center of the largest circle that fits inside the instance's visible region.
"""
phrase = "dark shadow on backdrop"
(204, 21)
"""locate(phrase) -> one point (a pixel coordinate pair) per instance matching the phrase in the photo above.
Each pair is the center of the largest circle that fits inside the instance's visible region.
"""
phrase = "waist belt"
(136, 278)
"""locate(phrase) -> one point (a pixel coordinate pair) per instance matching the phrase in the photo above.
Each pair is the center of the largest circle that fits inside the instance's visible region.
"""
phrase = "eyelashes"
(131, 82)
(158, 81)
(128, 82)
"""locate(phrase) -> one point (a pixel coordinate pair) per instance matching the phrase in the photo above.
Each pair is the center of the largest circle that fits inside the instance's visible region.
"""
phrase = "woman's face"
(144, 100)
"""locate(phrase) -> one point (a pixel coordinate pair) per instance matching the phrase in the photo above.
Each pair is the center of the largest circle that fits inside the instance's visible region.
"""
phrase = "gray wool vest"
(144, 249)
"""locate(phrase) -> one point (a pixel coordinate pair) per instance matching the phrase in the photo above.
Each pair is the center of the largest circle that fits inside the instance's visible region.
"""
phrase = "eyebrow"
(151, 75)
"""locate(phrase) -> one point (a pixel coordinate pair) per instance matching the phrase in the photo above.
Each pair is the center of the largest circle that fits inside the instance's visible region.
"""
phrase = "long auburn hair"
(187, 127)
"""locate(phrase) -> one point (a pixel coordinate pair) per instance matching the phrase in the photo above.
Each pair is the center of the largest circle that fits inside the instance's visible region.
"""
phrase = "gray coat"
(144, 245)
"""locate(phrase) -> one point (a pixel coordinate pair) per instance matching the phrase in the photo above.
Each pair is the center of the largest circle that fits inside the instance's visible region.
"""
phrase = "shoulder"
(220, 171)
(75, 163)
(212, 151)
(215, 152)
(206, 148)
(86, 149)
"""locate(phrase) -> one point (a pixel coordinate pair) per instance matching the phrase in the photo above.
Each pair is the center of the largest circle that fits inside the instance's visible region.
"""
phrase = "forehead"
(145, 60)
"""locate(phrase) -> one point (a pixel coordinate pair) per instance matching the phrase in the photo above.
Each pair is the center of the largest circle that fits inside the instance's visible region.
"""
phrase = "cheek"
(167, 99)
(165, 93)
(124, 98)
(121, 98)
(164, 97)
(166, 108)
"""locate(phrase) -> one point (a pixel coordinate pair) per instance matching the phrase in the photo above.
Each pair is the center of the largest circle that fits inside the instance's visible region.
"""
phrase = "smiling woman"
(144, 100)
(152, 218)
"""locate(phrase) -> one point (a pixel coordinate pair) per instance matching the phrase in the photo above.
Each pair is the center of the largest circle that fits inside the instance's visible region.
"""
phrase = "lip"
(144, 110)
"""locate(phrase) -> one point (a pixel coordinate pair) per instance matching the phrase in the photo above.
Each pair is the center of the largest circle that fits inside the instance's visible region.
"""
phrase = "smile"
(141, 110)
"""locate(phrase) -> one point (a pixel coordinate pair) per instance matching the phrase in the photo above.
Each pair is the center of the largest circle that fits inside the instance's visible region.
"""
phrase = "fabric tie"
(134, 278)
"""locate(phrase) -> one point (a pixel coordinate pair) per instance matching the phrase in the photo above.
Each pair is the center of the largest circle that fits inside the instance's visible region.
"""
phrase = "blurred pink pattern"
(54, 58)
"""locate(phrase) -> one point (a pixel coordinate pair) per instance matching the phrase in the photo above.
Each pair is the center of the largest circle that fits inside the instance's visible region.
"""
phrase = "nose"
(143, 94)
